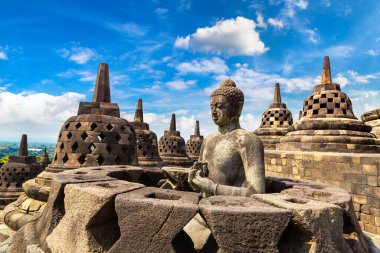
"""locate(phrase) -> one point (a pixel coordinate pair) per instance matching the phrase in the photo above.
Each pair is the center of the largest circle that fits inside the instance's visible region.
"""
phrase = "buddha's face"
(220, 110)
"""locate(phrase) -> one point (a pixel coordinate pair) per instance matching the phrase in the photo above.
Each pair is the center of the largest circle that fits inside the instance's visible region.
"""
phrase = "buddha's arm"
(233, 190)
(252, 156)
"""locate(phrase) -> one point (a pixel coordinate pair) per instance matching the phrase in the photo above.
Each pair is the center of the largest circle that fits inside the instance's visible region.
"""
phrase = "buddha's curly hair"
(234, 95)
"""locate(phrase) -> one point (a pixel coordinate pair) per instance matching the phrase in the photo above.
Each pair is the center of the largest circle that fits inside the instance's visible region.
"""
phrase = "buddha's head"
(226, 103)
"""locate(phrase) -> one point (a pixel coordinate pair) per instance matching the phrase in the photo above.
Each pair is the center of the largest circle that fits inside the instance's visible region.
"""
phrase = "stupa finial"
(102, 85)
(197, 131)
(277, 94)
(172, 123)
(326, 71)
(23, 151)
(139, 116)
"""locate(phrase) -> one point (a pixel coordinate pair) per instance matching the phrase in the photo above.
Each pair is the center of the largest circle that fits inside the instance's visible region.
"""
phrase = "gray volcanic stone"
(89, 225)
(241, 224)
(321, 224)
(152, 219)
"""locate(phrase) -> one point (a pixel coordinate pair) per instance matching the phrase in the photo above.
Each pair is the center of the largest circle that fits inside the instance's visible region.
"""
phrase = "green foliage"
(4, 159)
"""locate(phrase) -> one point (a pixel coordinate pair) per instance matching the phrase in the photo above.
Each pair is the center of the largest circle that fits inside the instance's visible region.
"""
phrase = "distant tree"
(4, 159)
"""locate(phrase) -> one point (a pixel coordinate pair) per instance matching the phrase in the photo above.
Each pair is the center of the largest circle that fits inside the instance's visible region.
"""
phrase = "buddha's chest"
(223, 159)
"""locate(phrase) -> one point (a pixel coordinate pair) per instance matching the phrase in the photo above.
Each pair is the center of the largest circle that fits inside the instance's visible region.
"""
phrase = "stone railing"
(120, 209)
(358, 174)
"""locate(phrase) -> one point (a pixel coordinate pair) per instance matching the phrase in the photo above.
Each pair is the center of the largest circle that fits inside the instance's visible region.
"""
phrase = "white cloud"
(362, 78)
(351, 77)
(287, 68)
(38, 114)
(203, 66)
(326, 3)
(259, 85)
(341, 79)
(82, 75)
(302, 4)
(182, 42)
(249, 121)
(260, 21)
(180, 84)
(364, 100)
(340, 51)
(129, 29)
(80, 55)
(184, 5)
(276, 23)
(372, 52)
(3, 56)
(4, 52)
(312, 35)
(116, 78)
(161, 12)
(231, 37)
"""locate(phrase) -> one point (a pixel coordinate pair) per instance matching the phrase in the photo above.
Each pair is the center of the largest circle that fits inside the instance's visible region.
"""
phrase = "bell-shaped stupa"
(194, 144)
(274, 122)
(14, 173)
(328, 123)
(97, 136)
(172, 147)
(146, 140)
(45, 160)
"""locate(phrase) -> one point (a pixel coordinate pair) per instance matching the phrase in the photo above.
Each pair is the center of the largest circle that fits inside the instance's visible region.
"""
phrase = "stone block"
(370, 228)
(313, 217)
(370, 169)
(372, 180)
(360, 199)
(365, 209)
(157, 216)
(367, 218)
(247, 219)
(89, 225)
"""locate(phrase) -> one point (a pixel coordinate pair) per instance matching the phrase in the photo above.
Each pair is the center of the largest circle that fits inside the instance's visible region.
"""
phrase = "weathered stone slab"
(156, 217)
(241, 224)
(89, 225)
(321, 224)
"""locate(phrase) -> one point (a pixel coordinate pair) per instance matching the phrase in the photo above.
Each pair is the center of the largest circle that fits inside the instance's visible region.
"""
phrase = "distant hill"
(8, 148)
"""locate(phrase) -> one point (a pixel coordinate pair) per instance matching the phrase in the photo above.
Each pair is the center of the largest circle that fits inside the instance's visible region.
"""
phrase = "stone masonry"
(359, 174)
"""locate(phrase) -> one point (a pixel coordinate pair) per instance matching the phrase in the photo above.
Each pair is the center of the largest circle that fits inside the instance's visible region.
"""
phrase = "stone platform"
(119, 209)
(358, 174)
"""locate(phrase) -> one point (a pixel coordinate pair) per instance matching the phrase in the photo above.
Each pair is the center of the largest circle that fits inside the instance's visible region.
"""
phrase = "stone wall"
(356, 173)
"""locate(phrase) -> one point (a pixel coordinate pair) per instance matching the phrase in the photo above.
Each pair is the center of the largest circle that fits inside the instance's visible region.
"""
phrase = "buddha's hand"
(200, 183)
(193, 171)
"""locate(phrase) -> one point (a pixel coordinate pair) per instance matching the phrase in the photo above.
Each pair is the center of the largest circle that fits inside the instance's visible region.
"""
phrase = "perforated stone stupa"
(172, 147)
(146, 140)
(274, 122)
(45, 160)
(194, 144)
(97, 136)
(14, 173)
(328, 122)
(372, 118)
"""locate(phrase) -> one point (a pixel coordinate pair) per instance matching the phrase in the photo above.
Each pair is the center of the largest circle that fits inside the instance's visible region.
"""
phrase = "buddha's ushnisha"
(234, 157)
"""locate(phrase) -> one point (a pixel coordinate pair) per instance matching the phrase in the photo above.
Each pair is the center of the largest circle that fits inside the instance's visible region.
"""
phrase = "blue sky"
(173, 53)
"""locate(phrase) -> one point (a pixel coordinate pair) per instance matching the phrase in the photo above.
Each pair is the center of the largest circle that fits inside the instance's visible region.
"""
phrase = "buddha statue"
(231, 160)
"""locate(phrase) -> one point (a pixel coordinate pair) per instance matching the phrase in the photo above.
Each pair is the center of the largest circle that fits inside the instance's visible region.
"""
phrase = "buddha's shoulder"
(239, 134)
(211, 136)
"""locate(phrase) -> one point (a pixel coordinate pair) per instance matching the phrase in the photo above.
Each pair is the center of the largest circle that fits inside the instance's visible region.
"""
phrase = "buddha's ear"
(240, 106)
